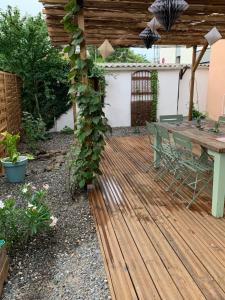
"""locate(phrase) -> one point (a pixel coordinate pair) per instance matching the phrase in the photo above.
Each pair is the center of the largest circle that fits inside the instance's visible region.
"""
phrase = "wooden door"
(140, 98)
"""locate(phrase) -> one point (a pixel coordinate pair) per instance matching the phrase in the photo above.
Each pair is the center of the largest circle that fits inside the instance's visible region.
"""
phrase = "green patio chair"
(193, 171)
(167, 154)
(151, 131)
(171, 118)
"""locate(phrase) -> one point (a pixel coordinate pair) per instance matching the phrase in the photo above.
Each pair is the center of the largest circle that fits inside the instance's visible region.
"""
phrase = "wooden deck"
(153, 247)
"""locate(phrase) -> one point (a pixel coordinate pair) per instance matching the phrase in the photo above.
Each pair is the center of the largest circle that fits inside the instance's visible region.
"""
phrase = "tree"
(122, 55)
(25, 49)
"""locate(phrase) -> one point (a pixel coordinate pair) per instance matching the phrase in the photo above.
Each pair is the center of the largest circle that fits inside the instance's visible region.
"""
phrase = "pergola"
(121, 21)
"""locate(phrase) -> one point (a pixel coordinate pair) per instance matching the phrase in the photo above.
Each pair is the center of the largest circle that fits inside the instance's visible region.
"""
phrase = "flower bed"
(65, 263)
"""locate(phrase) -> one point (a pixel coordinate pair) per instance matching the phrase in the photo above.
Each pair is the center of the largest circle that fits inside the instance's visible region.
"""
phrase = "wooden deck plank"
(119, 276)
(193, 264)
(161, 249)
(152, 261)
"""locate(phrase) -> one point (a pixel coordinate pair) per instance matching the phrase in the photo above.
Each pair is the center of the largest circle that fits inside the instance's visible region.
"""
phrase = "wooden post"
(83, 55)
(192, 84)
(83, 49)
(195, 64)
(200, 56)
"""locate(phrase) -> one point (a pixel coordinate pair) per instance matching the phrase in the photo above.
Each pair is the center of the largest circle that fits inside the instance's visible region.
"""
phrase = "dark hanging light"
(168, 11)
(149, 37)
(80, 3)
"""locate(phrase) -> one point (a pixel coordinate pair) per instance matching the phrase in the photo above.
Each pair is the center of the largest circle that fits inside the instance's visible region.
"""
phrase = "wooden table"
(207, 140)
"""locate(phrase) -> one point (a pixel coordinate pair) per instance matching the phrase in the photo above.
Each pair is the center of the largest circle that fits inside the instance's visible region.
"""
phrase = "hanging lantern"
(213, 36)
(168, 11)
(106, 49)
(154, 24)
(149, 37)
(80, 3)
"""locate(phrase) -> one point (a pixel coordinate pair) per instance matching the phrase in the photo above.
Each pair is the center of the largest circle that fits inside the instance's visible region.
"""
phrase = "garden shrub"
(25, 49)
(18, 224)
(34, 129)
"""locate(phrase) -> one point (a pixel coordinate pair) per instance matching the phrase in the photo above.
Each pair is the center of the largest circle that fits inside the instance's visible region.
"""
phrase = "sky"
(33, 7)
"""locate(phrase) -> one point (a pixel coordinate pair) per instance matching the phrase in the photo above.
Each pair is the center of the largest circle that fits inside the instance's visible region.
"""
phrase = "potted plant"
(14, 164)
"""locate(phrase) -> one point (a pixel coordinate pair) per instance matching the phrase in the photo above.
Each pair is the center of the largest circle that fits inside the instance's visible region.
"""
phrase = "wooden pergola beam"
(131, 17)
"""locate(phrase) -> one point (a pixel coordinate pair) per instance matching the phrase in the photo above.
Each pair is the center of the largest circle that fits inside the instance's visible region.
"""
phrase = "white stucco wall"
(200, 91)
(117, 101)
(63, 121)
(167, 98)
(118, 95)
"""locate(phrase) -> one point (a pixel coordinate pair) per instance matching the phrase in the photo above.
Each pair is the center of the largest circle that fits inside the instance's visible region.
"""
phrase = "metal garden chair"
(171, 118)
(151, 131)
(193, 171)
(167, 153)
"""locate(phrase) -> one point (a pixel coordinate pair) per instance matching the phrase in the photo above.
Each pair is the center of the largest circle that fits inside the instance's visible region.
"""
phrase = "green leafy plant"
(35, 130)
(122, 55)
(196, 114)
(18, 224)
(27, 51)
(91, 123)
(67, 130)
(10, 143)
(154, 90)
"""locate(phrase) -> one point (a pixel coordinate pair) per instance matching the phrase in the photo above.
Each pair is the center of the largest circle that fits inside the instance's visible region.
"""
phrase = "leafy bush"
(35, 130)
(18, 224)
(25, 49)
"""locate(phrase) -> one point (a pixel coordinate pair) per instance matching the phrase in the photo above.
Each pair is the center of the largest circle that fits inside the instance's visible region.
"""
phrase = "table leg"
(218, 184)
(157, 143)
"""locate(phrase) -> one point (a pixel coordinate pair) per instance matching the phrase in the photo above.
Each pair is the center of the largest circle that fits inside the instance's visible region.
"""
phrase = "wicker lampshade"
(168, 11)
(106, 49)
(149, 37)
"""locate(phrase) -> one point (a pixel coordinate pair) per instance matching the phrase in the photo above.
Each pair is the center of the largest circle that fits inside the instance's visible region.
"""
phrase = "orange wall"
(216, 85)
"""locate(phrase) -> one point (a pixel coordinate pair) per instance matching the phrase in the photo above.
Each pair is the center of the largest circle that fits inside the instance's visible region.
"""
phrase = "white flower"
(54, 221)
(31, 206)
(24, 190)
(46, 186)
(2, 205)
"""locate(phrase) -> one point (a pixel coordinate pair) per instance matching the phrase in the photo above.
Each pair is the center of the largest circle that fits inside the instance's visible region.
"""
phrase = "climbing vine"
(91, 123)
(154, 90)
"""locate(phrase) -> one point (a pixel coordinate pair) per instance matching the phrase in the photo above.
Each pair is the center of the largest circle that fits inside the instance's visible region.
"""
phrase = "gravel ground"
(127, 131)
(67, 263)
